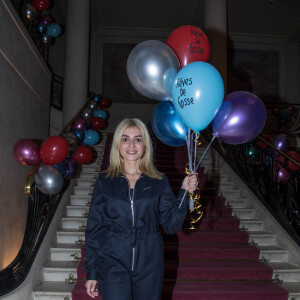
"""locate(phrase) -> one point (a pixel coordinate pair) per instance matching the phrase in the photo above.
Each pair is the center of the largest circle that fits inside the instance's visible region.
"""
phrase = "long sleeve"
(93, 233)
(173, 210)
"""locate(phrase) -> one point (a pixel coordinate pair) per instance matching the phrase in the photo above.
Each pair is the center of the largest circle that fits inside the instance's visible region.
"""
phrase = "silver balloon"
(72, 141)
(151, 68)
(86, 113)
(48, 179)
(92, 104)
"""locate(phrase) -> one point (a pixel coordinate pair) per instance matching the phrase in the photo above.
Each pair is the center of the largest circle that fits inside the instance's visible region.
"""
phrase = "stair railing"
(274, 182)
(40, 211)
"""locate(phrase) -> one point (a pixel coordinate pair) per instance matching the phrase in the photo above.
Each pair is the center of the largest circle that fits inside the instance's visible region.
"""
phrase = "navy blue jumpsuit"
(124, 248)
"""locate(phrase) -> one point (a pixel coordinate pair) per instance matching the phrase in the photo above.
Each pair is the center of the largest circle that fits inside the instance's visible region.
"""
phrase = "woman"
(124, 248)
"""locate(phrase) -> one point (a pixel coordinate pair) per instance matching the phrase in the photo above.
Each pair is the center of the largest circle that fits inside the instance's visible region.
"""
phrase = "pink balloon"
(280, 175)
(27, 152)
(79, 123)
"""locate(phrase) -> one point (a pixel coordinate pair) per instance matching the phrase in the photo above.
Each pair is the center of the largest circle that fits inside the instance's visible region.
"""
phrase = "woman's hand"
(91, 290)
(190, 182)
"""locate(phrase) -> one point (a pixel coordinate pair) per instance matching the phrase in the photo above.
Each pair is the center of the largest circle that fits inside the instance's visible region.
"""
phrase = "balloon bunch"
(58, 157)
(192, 92)
(281, 173)
(36, 13)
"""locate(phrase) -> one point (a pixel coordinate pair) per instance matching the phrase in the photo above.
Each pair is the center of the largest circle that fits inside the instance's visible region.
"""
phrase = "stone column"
(215, 27)
(76, 72)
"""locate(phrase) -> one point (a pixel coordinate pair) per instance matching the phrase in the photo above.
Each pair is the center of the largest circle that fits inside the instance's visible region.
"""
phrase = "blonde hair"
(116, 161)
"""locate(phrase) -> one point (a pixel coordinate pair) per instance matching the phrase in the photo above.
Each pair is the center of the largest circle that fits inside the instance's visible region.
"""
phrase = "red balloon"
(97, 123)
(190, 44)
(293, 154)
(83, 155)
(275, 111)
(262, 144)
(54, 150)
(104, 103)
(40, 4)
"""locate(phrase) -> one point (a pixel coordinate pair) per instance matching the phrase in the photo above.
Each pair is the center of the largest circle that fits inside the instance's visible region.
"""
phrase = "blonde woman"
(124, 249)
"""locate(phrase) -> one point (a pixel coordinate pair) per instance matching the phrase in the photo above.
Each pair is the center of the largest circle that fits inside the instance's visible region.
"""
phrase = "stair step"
(59, 271)
(243, 213)
(208, 236)
(83, 191)
(77, 210)
(217, 270)
(251, 224)
(73, 222)
(197, 251)
(89, 168)
(237, 203)
(53, 290)
(261, 238)
(64, 253)
(293, 288)
(86, 182)
(69, 237)
(273, 253)
(80, 200)
(285, 271)
(89, 175)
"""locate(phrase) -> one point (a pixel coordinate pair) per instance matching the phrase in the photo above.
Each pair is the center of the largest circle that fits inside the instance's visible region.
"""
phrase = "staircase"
(214, 262)
(66, 251)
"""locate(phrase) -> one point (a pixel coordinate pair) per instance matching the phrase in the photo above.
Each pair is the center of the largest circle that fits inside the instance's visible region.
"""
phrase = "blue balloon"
(198, 92)
(41, 27)
(79, 134)
(100, 113)
(91, 137)
(167, 125)
(61, 167)
(96, 97)
(54, 30)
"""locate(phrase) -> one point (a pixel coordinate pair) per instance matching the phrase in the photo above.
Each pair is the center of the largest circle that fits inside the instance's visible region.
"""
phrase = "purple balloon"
(281, 175)
(240, 119)
(27, 152)
(281, 141)
(79, 123)
(72, 168)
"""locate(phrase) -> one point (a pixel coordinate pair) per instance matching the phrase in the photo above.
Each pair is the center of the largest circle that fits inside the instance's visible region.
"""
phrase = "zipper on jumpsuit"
(132, 213)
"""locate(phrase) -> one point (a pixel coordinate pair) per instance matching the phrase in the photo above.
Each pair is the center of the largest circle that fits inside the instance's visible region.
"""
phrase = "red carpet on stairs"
(213, 262)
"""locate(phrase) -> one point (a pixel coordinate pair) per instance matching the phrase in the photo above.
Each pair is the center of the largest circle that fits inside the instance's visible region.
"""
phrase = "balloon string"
(195, 150)
(204, 153)
(190, 150)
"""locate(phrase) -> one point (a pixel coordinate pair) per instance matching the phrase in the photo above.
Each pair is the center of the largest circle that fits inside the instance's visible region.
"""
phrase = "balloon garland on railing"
(40, 23)
(192, 94)
(58, 158)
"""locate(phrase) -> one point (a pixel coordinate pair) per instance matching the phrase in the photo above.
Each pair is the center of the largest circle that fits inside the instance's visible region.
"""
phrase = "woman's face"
(132, 146)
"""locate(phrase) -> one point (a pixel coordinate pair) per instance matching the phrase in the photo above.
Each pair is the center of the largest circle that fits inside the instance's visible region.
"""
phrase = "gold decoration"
(76, 257)
(196, 213)
(82, 227)
(28, 180)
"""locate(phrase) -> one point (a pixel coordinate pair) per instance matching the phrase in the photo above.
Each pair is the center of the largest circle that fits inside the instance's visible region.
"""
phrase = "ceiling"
(258, 17)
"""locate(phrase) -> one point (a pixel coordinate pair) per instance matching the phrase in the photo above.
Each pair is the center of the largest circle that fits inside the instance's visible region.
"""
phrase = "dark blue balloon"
(41, 27)
(79, 134)
(167, 125)
(96, 97)
(61, 167)
(100, 113)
